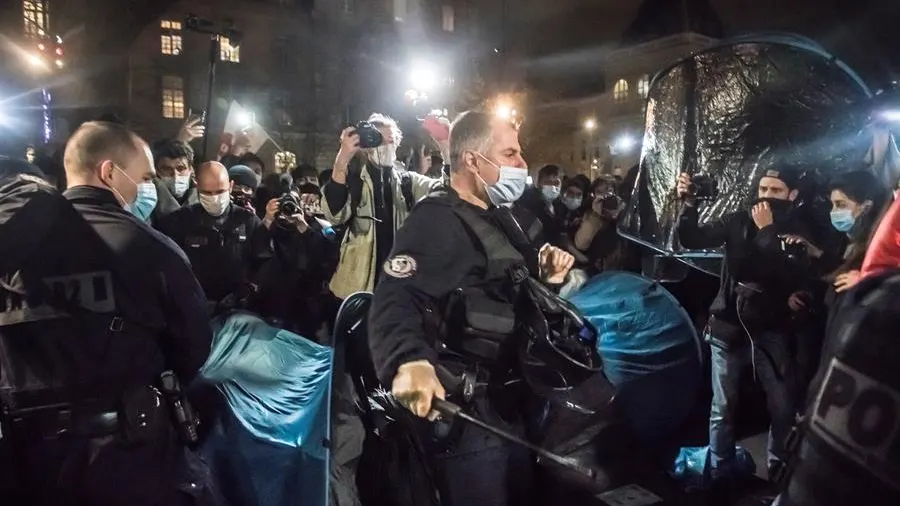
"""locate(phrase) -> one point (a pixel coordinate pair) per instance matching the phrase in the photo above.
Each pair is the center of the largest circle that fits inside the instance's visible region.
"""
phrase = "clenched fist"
(415, 386)
(555, 264)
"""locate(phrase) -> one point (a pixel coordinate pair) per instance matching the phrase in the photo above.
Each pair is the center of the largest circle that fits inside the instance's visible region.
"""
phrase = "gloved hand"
(415, 385)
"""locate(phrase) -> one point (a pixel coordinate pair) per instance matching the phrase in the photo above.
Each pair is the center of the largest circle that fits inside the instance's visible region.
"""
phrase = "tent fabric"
(650, 349)
(271, 447)
(735, 110)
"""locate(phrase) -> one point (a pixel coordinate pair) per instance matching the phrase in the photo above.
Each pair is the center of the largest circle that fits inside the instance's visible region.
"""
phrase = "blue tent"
(271, 446)
(650, 348)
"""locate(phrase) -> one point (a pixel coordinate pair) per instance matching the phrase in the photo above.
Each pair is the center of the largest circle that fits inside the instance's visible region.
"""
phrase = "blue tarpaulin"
(270, 448)
(650, 350)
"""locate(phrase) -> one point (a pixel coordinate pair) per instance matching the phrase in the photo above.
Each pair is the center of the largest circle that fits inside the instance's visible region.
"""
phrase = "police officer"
(224, 242)
(439, 253)
(91, 319)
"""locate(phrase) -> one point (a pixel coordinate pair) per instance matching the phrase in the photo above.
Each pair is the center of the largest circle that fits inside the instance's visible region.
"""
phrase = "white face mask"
(178, 184)
(215, 205)
(550, 192)
(384, 155)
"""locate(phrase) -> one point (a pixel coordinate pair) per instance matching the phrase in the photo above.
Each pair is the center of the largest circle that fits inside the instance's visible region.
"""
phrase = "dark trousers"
(76, 471)
(474, 467)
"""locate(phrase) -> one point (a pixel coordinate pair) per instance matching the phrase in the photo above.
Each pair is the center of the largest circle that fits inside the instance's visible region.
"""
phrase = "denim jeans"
(774, 370)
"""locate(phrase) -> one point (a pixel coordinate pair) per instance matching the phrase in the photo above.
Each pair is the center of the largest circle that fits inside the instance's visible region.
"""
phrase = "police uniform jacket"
(436, 256)
(224, 251)
(105, 303)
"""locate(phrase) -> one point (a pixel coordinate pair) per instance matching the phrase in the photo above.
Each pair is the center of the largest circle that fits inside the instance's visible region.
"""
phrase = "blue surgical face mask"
(144, 203)
(842, 220)
(509, 186)
(572, 203)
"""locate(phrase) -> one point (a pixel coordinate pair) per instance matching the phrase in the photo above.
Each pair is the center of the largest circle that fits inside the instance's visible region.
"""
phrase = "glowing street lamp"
(423, 77)
(505, 111)
(624, 143)
(590, 125)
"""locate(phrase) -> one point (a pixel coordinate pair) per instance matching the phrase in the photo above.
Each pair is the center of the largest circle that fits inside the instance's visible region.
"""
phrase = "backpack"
(355, 187)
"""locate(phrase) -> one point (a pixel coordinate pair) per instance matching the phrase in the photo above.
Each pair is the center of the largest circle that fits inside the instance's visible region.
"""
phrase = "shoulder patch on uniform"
(400, 266)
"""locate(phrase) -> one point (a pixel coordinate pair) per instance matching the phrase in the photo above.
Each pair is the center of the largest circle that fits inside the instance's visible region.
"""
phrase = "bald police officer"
(92, 318)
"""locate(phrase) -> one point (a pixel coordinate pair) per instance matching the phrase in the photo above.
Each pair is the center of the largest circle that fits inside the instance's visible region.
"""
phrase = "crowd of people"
(204, 237)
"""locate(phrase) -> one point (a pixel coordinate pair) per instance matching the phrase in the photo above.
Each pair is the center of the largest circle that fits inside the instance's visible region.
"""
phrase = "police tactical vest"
(63, 289)
(849, 452)
(487, 307)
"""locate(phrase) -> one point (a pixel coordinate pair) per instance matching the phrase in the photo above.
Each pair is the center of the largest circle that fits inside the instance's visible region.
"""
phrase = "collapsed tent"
(731, 112)
(651, 351)
(270, 448)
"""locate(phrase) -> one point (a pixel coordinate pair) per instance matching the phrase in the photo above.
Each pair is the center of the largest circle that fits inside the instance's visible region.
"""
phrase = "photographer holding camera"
(293, 284)
(371, 196)
(760, 272)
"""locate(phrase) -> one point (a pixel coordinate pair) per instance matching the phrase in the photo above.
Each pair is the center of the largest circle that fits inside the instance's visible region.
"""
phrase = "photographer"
(759, 274)
(595, 243)
(293, 287)
(372, 196)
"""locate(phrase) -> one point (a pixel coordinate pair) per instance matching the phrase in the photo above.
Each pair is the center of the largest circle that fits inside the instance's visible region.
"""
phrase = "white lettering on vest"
(859, 416)
(91, 290)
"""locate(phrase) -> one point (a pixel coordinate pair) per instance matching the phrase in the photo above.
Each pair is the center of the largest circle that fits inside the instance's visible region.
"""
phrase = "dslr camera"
(703, 188)
(369, 135)
(288, 205)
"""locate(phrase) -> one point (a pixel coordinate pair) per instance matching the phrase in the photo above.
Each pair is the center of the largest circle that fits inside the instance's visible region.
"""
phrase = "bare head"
(212, 179)
(108, 155)
(480, 144)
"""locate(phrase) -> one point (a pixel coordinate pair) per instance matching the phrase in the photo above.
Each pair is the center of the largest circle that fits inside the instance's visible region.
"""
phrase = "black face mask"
(781, 208)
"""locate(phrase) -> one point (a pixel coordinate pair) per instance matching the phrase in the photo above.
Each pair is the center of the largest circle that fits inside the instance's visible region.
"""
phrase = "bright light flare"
(423, 77)
(245, 119)
(590, 124)
(505, 111)
(35, 61)
(624, 143)
(891, 115)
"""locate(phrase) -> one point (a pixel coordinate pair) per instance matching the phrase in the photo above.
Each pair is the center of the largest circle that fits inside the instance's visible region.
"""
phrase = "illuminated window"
(170, 40)
(620, 91)
(34, 15)
(447, 19)
(644, 86)
(172, 97)
(228, 52)
(399, 10)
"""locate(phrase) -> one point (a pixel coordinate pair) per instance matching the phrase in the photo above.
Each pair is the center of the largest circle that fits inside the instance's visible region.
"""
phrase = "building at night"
(305, 68)
(599, 129)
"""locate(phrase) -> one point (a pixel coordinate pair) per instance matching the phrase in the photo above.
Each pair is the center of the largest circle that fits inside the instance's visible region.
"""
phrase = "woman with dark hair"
(857, 201)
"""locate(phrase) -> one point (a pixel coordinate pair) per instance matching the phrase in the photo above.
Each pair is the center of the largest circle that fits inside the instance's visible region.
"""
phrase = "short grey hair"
(383, 119)
(471, 131)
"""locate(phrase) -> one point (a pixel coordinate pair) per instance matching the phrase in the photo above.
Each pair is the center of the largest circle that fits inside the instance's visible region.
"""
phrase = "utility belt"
(141, 415)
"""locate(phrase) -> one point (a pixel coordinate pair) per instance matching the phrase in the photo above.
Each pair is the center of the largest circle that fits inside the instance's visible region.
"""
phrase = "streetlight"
(590, 124)
(505, 111)
(624, 143)
(423, 77)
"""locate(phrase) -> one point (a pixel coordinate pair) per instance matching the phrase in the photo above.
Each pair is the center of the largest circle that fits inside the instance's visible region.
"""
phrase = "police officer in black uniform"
(225, 243)
(91, 319)
(453, 266)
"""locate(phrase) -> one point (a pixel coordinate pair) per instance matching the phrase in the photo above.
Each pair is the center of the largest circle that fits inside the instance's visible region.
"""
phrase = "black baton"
(450, 410)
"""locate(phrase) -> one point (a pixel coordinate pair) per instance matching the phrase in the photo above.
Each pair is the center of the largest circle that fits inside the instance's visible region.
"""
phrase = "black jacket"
(104, 304)
(757, 277)
(553, 224)
(225, 252)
